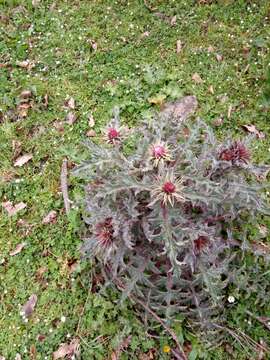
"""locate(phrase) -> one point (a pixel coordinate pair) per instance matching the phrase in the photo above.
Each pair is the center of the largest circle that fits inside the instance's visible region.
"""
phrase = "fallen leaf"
(23, 64)
(33, 352)
(246, 51)
(211, 89)
(2, 358)
(41, 337)
(71, 118)
(180, 109)
(12, 210)
(219, 57)
(17, 249)
(260, 248)
(40, 272)
(263, 230)
(66, 349)
(196, 78)
(122, 347)
(179, 46)
(16, 148)
(45, 100)
(173, 20)
(70, 103)
(23, 109)
(20, 161)
(59, 126)
(25, 94)
(26, 64)
(157, 100)
(230, 109)
(218, 121)
(253, 130)
(93, 44)
(29, 306)
(91, 133)
(145, 34)
(35, 3)
(50, 218)
(210, 49)
(91, 121)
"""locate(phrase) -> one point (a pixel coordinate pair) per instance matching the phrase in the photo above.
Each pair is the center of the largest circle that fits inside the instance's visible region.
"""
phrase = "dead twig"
(64, 186)
(261, 319)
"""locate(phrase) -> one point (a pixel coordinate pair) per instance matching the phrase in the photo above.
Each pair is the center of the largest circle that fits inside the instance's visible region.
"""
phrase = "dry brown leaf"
(17, 249)
(41, 337)
(91, 133)
(157, 100)
(93, 44)
(263, 230)
(230, 109)
(70, 103)
(16, 148)
(26, 64)
(261, 248)
(66, 349)
(45, 100)
(145, 34)
(173, 20)
(12, 210)
(25, 94)
(218, 122)
(50, 218)
(35, 3)
(40, 272)
(59, 126)
(23, 109)
(71, 118)
(29, 306)
(219, 57)
(179, 46)
(211, 89)
(33, 352)
(253, 130)
(196, 78)
(91, 121)
(20, 161)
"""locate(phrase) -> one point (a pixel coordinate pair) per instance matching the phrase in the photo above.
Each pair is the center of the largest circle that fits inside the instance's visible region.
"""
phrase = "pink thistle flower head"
(159, 152)
(104, 232)
(113, 135)
(169, 187)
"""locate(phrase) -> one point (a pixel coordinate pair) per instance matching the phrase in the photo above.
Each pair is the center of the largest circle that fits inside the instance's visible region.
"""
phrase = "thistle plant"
(165, 223)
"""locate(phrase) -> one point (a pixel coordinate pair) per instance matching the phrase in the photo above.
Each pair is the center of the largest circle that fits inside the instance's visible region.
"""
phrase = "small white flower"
(63, 319)
(231, 299)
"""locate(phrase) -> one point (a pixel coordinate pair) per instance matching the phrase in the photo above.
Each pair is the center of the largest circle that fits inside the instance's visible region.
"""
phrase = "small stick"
(64, 186)
(263, 321)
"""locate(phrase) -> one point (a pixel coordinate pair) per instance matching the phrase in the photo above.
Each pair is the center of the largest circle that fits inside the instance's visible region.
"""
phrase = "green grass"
(125, 70)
